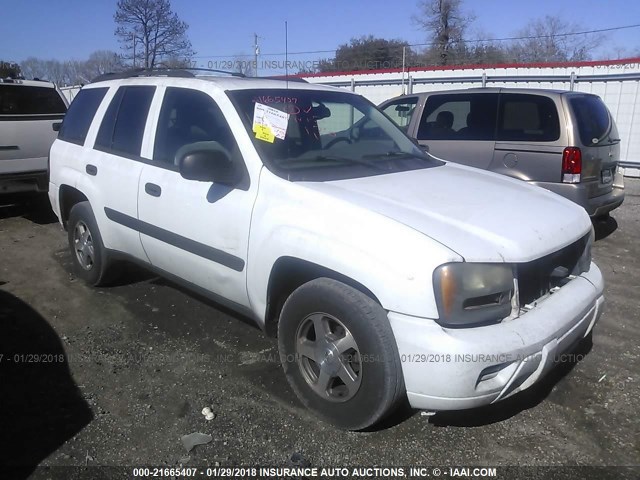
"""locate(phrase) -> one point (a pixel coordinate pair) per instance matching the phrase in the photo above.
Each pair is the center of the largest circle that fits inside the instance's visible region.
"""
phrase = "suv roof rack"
(159, 72)
(11, 80)
(286, 78)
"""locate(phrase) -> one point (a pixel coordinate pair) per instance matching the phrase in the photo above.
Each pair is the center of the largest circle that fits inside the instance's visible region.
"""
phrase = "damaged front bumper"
(454, 369)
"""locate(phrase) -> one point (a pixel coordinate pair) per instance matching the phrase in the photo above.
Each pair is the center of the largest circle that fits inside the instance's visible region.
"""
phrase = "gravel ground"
(116, 376)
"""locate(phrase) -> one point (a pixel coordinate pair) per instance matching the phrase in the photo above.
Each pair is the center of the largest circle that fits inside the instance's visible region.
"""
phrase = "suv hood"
(483, 217)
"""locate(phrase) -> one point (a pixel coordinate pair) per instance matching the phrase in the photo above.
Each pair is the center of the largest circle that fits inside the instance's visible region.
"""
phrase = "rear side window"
(28, 100)
(401, 111)
(468, 116)
(81, 112)
(592, 117)
(527, 118)
(123, 125)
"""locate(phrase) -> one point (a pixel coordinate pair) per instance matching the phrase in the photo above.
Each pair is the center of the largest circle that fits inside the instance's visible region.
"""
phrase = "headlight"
(472, 293)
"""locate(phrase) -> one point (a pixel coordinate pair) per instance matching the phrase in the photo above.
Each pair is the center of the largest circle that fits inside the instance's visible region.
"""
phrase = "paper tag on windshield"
(274, 119)
(264, 133)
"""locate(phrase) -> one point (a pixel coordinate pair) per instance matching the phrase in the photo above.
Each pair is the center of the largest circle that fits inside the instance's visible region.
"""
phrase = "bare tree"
(101, 62)
(552, 39)
(445, 23)
(152, 30)
(174, 62)
(72, 72)
(617, 52)
(33, 67)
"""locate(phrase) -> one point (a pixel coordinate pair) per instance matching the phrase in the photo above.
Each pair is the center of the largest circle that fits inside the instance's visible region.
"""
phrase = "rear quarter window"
(592, 117)
(527, 118)
(30, 100)
(81, 112)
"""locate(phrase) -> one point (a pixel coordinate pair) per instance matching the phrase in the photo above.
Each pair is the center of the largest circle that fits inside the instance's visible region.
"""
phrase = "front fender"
(393, 261)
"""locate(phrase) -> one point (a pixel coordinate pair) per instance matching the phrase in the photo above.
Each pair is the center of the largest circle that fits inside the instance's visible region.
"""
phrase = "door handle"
(153, 189)
(91, 169)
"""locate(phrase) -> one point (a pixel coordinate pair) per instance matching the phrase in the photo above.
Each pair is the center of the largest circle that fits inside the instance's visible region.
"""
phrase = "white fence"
(70, 92)
(616, 82)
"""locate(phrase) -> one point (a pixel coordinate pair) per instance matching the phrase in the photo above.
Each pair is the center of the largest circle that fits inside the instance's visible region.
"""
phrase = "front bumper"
(454, 369)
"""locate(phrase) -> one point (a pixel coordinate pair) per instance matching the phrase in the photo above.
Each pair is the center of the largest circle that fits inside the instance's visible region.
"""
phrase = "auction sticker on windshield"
(269, 123)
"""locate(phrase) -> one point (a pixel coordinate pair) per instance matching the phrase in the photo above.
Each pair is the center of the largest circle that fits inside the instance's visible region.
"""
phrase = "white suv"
(29, 110)
(386, 274)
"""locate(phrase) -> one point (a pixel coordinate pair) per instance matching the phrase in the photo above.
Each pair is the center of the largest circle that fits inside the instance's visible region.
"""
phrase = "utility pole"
(404, 59)
(134, 49)
(256, 52)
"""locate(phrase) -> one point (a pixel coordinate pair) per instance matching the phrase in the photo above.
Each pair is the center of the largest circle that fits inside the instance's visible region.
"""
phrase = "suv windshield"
(316, 135)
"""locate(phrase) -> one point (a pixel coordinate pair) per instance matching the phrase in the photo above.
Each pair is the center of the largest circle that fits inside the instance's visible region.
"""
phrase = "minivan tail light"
(571, 165)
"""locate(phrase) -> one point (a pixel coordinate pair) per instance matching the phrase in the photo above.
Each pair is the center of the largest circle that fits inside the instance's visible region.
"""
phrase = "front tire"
(339, 354)
(88, 254)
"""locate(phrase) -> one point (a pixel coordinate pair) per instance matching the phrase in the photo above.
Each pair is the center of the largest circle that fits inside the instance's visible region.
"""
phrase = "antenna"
(286, 52)
(256, 52)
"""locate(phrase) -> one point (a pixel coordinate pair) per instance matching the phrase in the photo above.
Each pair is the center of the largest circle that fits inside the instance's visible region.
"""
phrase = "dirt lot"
(117, 376)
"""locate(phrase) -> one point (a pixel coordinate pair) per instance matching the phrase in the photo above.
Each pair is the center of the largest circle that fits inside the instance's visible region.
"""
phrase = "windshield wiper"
(335, 158)
(395, 154)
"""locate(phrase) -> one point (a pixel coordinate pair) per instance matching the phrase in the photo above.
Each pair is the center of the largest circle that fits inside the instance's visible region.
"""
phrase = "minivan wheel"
(339, 354)
(87, 251)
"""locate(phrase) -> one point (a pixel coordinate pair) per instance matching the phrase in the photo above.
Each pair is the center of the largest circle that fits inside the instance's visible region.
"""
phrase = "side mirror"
(56, 126)
(207, 162)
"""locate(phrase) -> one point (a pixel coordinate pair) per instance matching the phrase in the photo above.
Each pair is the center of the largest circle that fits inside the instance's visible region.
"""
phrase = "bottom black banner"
(323, 473)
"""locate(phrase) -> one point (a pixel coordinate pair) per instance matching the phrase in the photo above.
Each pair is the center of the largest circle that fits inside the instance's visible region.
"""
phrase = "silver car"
(566, 142)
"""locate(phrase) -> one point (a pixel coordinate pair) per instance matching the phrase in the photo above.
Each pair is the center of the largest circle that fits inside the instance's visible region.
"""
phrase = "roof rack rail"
(11, 80)
(143, 72)
(233, 74)
(159, 72)
(288, 78)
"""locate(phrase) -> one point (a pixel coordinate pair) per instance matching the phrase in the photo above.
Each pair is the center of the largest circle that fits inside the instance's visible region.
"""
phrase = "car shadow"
(210, 302)
(604, 227)
(35, 208)
(529, 398)
(41, 407)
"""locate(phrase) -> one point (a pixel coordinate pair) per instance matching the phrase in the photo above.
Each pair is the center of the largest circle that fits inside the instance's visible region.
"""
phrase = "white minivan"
(386, 275)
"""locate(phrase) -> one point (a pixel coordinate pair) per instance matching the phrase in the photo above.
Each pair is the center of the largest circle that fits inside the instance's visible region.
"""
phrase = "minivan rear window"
(592, 117)
(30, 100)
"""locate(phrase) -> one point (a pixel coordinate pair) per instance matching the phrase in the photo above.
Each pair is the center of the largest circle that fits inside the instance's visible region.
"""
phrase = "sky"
(221, 30)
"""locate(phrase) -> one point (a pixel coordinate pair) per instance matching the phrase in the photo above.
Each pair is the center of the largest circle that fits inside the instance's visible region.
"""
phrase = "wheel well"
(69, 196)
(289, 273)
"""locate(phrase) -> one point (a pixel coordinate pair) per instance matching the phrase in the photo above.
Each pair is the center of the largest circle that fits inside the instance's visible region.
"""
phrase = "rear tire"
(339, 354)
(89, 257)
